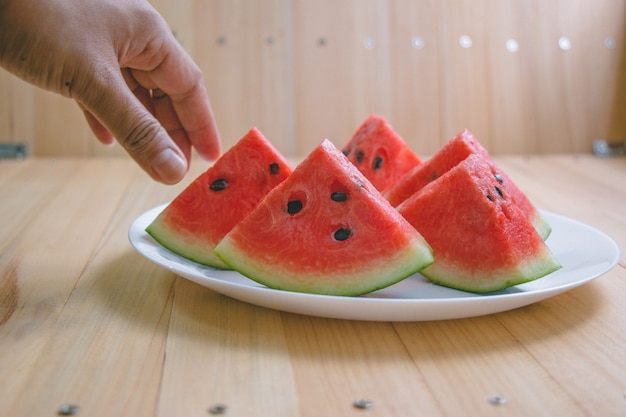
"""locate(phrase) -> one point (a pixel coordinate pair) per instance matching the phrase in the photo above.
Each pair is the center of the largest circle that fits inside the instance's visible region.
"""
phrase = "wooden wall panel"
(464, 80)
(245, 49)
(303, 70)
(415, 75)
(180, 16)
(353, 59)
(371, 51)
(16, 110)
(510, 62)
(54, 113)
(337, 67)
(605, 69)
(557, 79)
(7, 130)
(323, 72)
(50, 125)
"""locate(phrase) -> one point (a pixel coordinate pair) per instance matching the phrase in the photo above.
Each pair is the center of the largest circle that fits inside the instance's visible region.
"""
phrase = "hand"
(120, 62)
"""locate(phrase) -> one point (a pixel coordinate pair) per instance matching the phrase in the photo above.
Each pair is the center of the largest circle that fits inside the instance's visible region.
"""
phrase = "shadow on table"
(143, 293)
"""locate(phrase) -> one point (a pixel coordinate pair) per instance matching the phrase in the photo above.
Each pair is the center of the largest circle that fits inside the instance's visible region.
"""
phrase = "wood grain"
(303, 71)
(86, 320)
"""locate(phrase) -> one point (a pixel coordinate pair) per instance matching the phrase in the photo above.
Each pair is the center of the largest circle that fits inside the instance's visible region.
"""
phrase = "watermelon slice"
(380, 153)
(452, 153)
(199, 217)
(325, 230)
(482, 240)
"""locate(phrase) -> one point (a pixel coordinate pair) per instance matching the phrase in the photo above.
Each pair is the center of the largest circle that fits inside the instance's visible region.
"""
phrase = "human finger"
(114, 104)
(166, 115)
(172, 71)
(99, 130)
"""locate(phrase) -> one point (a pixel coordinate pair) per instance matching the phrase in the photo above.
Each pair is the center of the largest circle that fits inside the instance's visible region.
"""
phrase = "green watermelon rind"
(532, 269)
(193, 250)
(541, 225)
(440, 210)
(388, 271)
(300, 254)
(193, 223)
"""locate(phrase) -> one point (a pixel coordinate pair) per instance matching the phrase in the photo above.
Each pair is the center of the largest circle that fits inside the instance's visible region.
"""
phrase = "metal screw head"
(512, 45)
(610, 43)
(218, 409)
(465, 41)
(564, 43)
(417, 43)
(67, 410)
(602, 147)
(497, 400)
(363, 404)
(370, 43)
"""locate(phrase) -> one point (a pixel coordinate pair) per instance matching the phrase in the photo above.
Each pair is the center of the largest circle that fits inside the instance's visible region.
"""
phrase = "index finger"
(180, 78)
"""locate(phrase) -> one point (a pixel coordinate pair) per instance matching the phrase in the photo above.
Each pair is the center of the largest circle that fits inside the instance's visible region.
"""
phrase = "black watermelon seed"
(274, 168)
(499, 178)
(339, 196)
(378, 162)
(489, 197)
(342, 234)
(359, 157)
(219, 184)
(294, 206)
(500, 192)
(346, 152)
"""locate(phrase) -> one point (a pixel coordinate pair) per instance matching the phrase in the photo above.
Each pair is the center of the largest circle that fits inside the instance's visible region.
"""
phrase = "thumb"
(137, 130)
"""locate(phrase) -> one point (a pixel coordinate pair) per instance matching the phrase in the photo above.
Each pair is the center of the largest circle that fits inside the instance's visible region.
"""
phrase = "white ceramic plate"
(584, 252)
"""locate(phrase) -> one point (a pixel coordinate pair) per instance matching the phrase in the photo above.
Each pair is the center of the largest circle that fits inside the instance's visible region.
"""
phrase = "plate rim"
(275, 299)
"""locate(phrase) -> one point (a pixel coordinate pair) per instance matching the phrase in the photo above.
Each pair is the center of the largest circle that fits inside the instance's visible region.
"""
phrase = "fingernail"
(169, 166)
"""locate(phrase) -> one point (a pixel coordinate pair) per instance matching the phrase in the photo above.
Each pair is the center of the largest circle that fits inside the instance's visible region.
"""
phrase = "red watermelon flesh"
(199, 217)
(482, 241)
(325, 230)
(451, 154)
(380, 153)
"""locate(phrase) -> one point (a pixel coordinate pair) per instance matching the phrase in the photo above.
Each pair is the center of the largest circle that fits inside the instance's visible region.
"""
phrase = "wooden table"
(87, 321)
